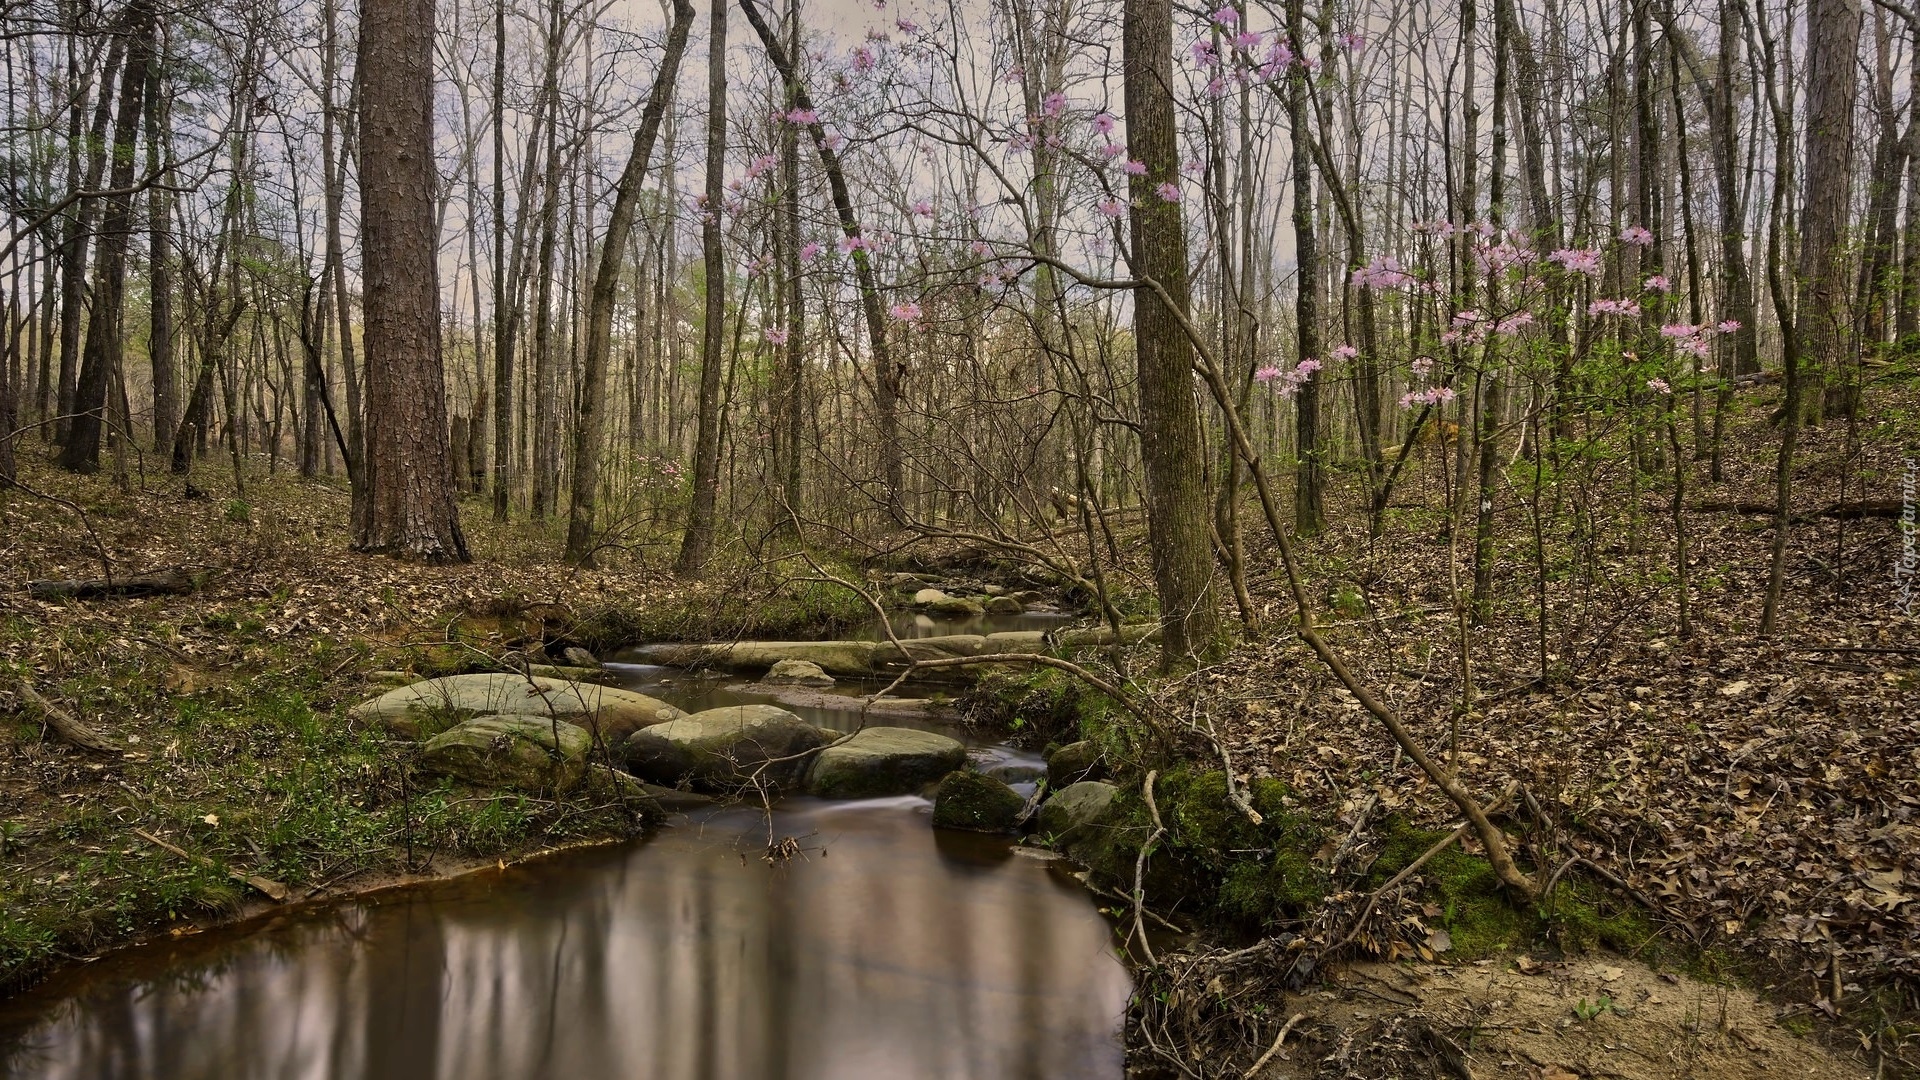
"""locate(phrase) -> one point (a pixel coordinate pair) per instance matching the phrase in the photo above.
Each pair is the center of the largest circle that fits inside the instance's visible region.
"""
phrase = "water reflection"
(885, 952)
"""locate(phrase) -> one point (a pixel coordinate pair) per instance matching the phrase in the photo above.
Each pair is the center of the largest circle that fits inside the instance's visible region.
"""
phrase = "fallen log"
(65, 724)
(161, 582)
(1884, 508)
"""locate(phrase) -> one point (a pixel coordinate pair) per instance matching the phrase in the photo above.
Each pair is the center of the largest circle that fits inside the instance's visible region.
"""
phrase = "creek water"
(886, 949)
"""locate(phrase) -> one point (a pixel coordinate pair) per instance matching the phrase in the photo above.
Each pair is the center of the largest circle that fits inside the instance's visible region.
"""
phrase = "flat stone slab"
(424, 709)
(879, 761)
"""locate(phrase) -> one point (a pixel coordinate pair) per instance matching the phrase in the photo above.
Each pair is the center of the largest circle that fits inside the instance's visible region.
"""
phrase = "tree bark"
(409, 467)
(1171, 449)
(697, 542)
(1833, 42)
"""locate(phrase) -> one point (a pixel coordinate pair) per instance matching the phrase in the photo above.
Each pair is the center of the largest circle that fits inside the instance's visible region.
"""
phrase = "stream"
(887, 949)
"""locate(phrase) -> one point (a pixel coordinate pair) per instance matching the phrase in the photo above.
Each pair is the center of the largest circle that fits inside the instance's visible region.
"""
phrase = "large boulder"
(1073, 763)
(800, 672)
(523, 753)
(1076, 810)
(929, 596)
(1005, 605)
(880, 761)
(424, 709)
(968, 800)
(725, 748)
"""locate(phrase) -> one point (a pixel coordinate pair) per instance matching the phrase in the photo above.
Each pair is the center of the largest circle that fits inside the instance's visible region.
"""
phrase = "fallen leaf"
(212, 819)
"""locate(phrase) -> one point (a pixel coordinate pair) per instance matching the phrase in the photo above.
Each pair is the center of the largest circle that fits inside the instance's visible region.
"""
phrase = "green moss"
(777, 604)
(1242, 876)
(1050, 706)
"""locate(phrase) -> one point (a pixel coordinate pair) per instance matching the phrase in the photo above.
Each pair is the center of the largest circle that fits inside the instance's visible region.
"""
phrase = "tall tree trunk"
(160, 258)
(409, 466)
(100, 364)
(588, 434)
(1309, 509)
(697, 542)
(1171, 449)
(73, 267)
(543, 363)
(1833, 43)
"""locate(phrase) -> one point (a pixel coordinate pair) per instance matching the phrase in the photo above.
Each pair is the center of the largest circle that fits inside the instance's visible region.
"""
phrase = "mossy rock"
(956, 606)
(968, 800)
(1075, 762)
(1076, 809)
(880, 761)
(1005, 605)
(519, 753)
(724, 749)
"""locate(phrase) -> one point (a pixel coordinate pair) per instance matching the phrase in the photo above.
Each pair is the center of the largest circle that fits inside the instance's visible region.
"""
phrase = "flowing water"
(887, 949)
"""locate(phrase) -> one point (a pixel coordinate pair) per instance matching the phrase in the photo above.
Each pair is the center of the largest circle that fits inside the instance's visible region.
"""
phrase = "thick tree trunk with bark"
(408, 474)
(1171, 449)
(1833, 42)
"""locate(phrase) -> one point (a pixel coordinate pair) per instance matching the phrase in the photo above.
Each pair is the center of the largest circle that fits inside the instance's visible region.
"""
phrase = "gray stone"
(929, 597)
(1075, 810)
(1016, 641)
(725, 748)
(994, 590)
(1073, 763)
(523, 753)
(1014, 772)
(1004, 605)
(968, 800)
(803, 672)
(424, 709)
(580, 657)
(955, 605)
(880, 761)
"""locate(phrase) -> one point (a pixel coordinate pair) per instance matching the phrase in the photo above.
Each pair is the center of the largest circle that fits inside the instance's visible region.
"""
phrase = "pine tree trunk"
(409, 467)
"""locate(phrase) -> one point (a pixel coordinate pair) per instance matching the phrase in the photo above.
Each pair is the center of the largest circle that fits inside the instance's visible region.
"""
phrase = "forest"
(1381, 534)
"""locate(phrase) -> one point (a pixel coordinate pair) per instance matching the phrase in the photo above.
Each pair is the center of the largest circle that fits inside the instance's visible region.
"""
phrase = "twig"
(65, 724)
(1140, 869)
(1285, 1031)
(268, 887)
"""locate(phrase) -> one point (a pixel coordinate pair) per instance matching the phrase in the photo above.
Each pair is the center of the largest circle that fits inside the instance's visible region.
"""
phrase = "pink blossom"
(906, 312)
(1512, 323)
(1345, 352)
(1226, 16)
(1422, 365)
(1134, 167)
(862, 59)
(980, 247)
(1657, 283)
(1204, 53)
(923, 208)
(776, 335)
(906, 26)
(1113, 208)
(1433, 395)
(1680, 330)
(1014, 75)
(835, 141)
(1112, 150)
(1103, 123)
(1636, 235)
(1729, 326)
(803, 117)
(1384, 272)
(1659, 386)
(810, 251)
(1307, 367)
(1054, 104)
(1351, 41)
(1246, 41)
(1266, 374)
(850, 244)
(1216, 87)
(1577, 261)
(1613, 307)
(1168, 192)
